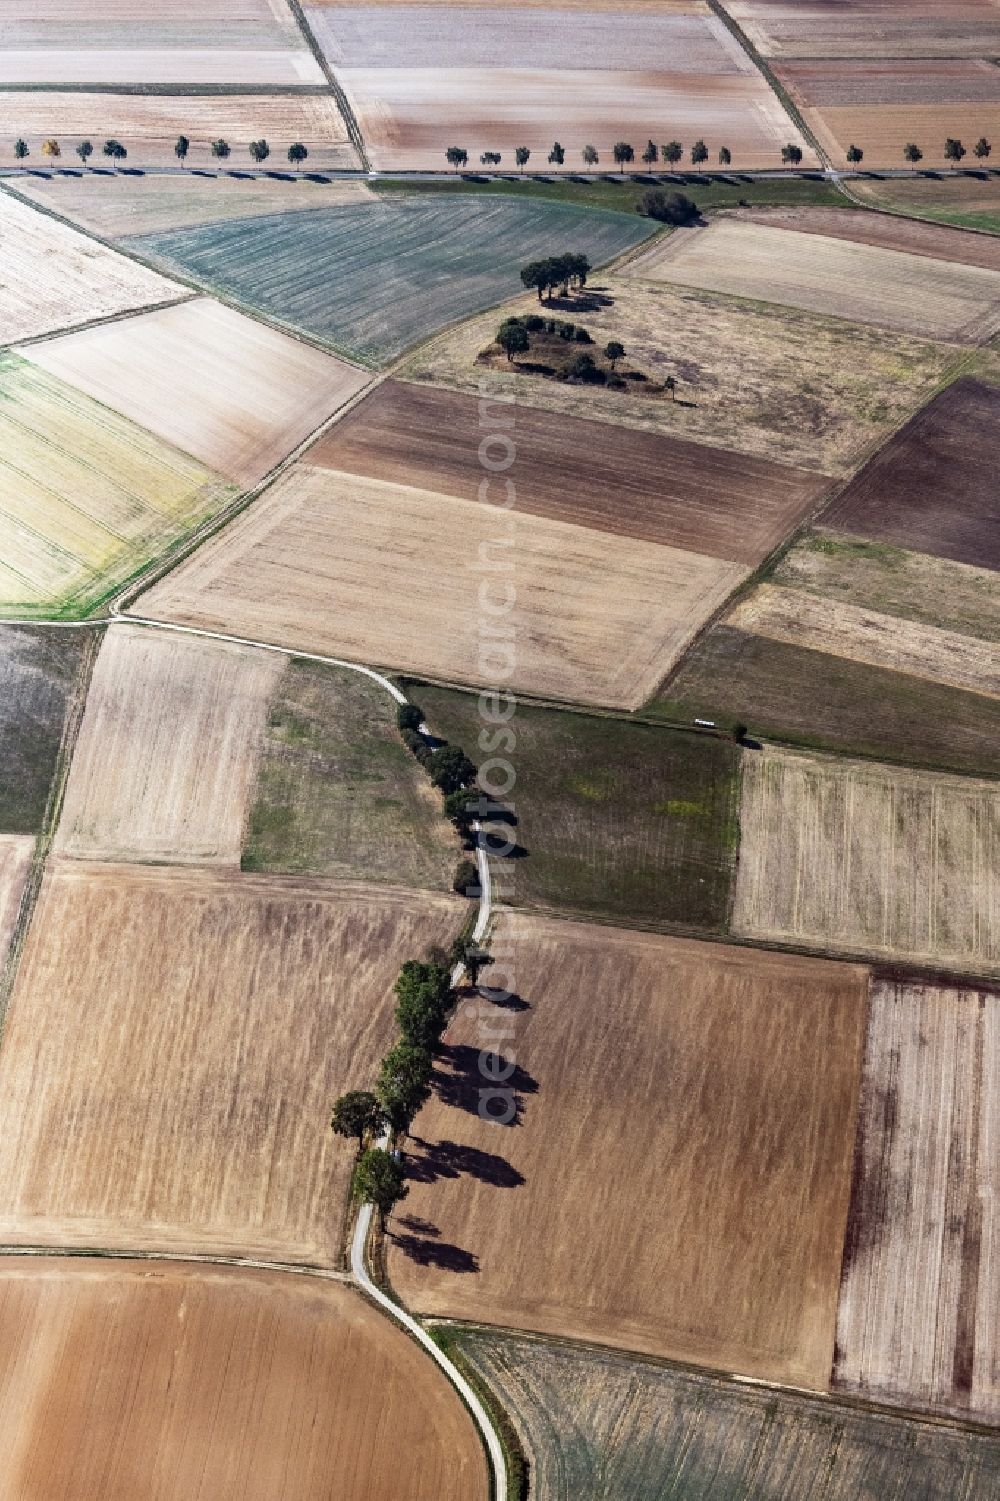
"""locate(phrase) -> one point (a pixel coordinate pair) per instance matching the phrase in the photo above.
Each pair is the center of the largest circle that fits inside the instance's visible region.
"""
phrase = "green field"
(337, 792)
(614, 819)
(815, 699)
(39, 671)
(599, 1426)
(374, 277)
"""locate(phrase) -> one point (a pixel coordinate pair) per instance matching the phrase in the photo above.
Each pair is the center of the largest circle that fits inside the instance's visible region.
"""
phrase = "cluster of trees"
(116, 152)
(454, 776)
(513, 333)
(563, 271)
(622, 152)
(668, 208)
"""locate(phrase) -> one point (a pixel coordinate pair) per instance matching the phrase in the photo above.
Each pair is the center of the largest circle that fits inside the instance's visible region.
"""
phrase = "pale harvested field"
(678, 1182)
(630, 7)
(371, 36)
(16, 851)
(866, 28)
(774, 382)
(85, 496)
(382, 573)
(221, 41)
(173, 1044)
(408, 116)
(870, 636)
(911, 585)
(232, 392)
(51, 277)
(857, 857)
(168, 749)
(918, 1322)
(936, 241)
(864, 283)
(883, 130)
(176, 1382)
(149, 124)
(115, 206)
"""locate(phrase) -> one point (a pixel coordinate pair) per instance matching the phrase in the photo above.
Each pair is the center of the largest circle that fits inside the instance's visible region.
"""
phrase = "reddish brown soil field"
(609, 478)
(676, 1176)
(164, 1381)
(847, 81)
(934, 487)
(936, 241)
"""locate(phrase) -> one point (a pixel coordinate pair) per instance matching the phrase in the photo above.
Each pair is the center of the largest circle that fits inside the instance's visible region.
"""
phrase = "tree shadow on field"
(432, 1252)
(452, 1159)
(589, 301)
(460, 1082)
(505, 999)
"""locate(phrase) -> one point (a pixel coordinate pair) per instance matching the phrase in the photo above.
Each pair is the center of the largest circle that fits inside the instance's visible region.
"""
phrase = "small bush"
(668, 208)
(582, 336)
(615, 383)
(409, 717)
(584, 369)
(550, 326)
(533, 323)
(566, 330)
(417, 745)
(466, 879)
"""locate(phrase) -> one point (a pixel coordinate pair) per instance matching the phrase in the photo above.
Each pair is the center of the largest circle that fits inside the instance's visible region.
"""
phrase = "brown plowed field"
(387, 574)
(409, 116)
(933, 487)
(172, 1047)
(883, 130)
(170, 1382)
(837, 278)
(936, 241)
(167, 755)
(592, 473)
(233, 392)
(855, 857)
(678, 1177)
(919, 1317)
(867, 28)
(840, 82)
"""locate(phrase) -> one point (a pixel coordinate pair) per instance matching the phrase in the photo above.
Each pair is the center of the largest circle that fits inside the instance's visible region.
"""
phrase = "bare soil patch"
(374, 572)
(231, 391)
(840, 82)
(39, 674)
(677, 1179)
(169, 1381)
(838, 278)
(904, 28)
(918, 1322)
(166, 758)
(933, 487)
(597, 475)
(173, 1044)
(861, 858)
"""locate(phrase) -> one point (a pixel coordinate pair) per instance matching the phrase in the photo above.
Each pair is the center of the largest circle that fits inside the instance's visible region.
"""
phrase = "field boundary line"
(195, 1258)
(343, 103)
(777, 88)
(79, 328)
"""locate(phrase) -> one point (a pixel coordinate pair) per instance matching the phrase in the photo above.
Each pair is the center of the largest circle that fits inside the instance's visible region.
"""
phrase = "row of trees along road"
(954, 151)
(115, 151)
(624, 154)
(424, 1001)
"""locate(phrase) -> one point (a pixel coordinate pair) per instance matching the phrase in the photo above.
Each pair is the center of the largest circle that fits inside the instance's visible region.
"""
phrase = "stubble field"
(933, 488)
(374, 277)
(600, 1424)
(593, 474)
(886, 231)
(918, 1322)
(232, 392)
(838, 278)
(172, 1047)
(149, 124)
(166, 758)
(177, 1383)
(861, 858)
(222, 41)
(40, 674)
(380, 573)
(52, 277)
(773, 382)
(677, 1178)
(117, 206)
(86, 497)
(337, 793)
(614, 819)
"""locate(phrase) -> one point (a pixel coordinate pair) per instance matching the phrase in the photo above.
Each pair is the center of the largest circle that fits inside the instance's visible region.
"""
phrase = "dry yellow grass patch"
(168, 749)
(774, 382)
(912, 294)
(919, 1321)
(16, 851)
(233, 392)
(116, 206)
(862, 635)
(858, 857)
(165, 1381)
(51, 277)
(375, 572)
(172, 1048)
